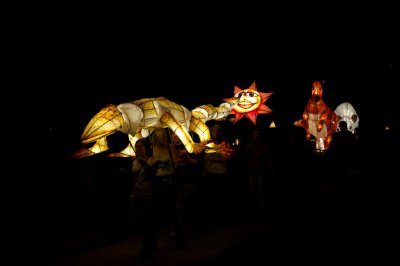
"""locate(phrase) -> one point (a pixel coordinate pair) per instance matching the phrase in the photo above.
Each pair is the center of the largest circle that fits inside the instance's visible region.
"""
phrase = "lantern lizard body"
(139, 118)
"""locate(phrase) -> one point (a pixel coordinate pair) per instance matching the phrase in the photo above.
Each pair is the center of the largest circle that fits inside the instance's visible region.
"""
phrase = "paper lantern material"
(345, 111)
(318, 118)
(248, 103)
(139, 118)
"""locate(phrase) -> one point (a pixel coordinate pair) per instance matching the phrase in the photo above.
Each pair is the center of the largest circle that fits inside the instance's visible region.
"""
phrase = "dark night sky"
(79, 63)
(75, 60)
(83, 88)
(87, 63)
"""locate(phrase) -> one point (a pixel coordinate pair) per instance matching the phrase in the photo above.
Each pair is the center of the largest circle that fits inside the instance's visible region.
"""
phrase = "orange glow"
(248, 103)
(318, 119)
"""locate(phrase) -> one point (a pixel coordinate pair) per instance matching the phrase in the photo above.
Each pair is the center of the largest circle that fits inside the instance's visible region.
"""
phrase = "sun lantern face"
(249, 102)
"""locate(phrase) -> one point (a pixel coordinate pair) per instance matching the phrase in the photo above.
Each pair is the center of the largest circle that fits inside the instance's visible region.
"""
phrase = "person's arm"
(186, 159)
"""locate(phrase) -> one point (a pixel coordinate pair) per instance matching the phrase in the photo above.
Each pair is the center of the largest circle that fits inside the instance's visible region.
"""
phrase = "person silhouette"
(259, 169)
(144, 201)
(343, 147)
(168, 189)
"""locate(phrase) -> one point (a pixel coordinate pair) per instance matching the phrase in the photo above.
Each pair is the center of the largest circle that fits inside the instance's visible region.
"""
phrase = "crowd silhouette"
(272, 172)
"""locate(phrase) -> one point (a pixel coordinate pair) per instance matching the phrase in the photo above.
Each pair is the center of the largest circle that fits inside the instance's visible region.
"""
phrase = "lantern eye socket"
(249, 94)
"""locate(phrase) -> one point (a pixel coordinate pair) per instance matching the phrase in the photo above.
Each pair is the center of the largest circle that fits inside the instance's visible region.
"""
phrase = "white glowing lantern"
(346, 112)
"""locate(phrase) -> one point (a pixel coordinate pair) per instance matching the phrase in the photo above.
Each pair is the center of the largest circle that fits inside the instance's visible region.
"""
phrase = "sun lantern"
(318, 119)
(345, 111)
(139, 118)
(248, 103)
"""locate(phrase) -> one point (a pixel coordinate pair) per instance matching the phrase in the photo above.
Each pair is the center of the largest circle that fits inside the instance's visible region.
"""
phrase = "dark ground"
(313, 215)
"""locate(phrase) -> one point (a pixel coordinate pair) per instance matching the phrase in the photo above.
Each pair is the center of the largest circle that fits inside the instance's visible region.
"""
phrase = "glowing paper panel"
(248, 103)
(318, 118)
(345, 111)
(139, 118)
